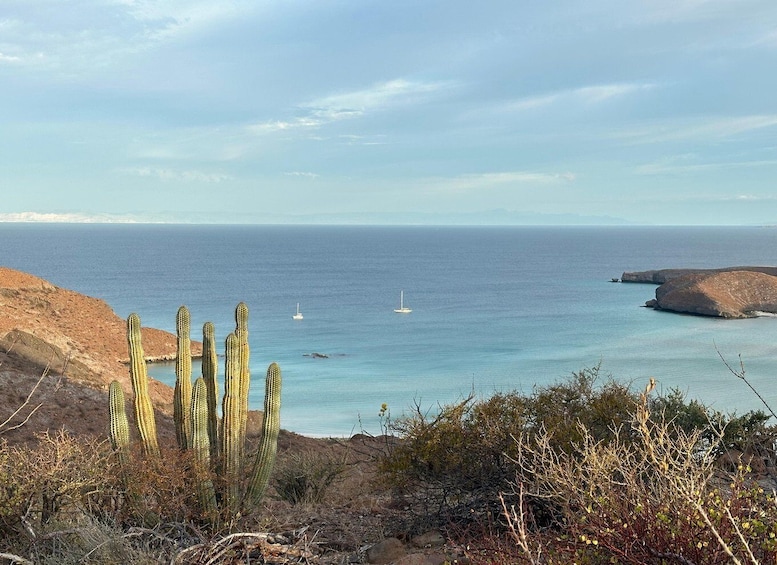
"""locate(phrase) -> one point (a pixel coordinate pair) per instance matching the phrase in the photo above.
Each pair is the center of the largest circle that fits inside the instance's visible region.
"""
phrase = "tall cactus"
(200, 445)
(119, 428)
(230, 425)
(196, 417)
(182, 395)
(241, 331)
(209, 373)
(144, 410)
(271, 425)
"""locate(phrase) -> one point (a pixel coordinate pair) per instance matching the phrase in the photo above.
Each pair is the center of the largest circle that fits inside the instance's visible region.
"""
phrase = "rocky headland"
(731, 292)
(79, 343)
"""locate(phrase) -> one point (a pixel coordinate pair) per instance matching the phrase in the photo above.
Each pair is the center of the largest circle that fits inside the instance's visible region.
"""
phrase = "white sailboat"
(298, 315)
(402, 308)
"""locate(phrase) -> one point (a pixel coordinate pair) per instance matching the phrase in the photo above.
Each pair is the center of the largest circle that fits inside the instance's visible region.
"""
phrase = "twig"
(741, 537)
(226, 541)
(15, 558)
(516, 520)
(741, 375)
(21, 407)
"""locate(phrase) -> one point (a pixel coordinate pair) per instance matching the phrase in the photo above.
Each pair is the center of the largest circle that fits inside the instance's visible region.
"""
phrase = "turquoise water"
(494, 309)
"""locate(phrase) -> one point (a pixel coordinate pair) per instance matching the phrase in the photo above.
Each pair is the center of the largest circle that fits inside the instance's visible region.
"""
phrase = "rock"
(432, 538)
(316, 355)
(423, 559)
(660, 276)
(723, 293)
(386, 551)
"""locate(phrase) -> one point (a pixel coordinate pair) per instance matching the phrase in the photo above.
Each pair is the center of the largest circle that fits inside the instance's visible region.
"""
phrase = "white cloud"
(684, 165)
(753, 198)
(350, 105)
(593, 94)
(174, 175)
(302, 174)
(466, 183)
(170, 18)
(769, 39)
(675, 11)
(699, 128)
(278, 125)
(78, 40)
(71, 218)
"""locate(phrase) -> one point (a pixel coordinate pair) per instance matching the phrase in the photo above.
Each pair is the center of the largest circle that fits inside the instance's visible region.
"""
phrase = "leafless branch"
(740, 374)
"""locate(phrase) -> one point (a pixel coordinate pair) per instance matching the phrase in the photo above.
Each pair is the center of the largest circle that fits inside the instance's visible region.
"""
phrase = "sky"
(378, 112)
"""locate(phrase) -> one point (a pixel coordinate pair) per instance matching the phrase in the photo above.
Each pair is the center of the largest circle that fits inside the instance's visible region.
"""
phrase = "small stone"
(423, 559)
(432, 538)
(386, 551)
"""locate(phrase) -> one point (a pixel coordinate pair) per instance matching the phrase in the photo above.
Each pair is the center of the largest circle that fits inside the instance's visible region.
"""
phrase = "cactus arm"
(209, 372)
(265, 457)
(144, 410)
(230, 425)
(119, 425)
(200, 445)
(182, 395)
(241, 331)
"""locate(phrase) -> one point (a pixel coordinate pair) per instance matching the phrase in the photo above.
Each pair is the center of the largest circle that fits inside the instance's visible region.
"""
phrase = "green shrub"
(453, 465)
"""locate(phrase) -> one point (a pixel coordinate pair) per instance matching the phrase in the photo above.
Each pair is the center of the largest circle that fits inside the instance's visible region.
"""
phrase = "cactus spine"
(271, 425)
(182, 395)
(144, 410)
(197, 418)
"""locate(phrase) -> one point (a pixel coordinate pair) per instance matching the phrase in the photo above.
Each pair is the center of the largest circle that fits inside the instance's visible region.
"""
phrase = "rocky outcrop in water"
(721, 293)
(660, 276)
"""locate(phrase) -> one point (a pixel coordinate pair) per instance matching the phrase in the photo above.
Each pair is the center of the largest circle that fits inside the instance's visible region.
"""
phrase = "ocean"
(494, 309)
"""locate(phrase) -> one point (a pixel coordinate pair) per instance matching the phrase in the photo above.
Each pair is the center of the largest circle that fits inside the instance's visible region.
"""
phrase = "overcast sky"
(362, 111)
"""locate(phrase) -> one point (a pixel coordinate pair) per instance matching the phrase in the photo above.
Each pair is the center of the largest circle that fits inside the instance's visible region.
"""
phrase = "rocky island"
(731, 292)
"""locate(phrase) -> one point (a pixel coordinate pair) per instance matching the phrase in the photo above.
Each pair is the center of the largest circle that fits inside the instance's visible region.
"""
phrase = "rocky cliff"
(44, 327)
(722, 293)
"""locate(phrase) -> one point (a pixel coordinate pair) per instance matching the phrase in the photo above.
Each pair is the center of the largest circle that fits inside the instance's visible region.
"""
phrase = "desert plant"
(462, 457)
(304, 478)
(58, 478)
(217, 449)
(653, 495)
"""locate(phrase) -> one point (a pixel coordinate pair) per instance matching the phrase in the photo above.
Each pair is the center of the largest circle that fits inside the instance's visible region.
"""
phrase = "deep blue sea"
(494, 308)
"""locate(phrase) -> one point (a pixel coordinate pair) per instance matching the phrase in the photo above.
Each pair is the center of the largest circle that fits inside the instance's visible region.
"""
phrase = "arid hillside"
(78, 344)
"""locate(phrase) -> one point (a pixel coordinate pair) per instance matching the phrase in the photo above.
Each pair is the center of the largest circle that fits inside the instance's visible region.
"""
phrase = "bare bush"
(657, 498)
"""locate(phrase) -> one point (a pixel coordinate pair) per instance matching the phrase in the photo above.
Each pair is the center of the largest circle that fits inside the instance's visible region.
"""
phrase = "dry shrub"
(305, 478)
(596, 472)
(163, 490)
(59, 480)
(654, 498)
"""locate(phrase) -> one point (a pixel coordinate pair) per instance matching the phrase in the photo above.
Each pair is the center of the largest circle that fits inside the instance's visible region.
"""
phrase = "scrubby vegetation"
(588, 470)
(592, 472)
